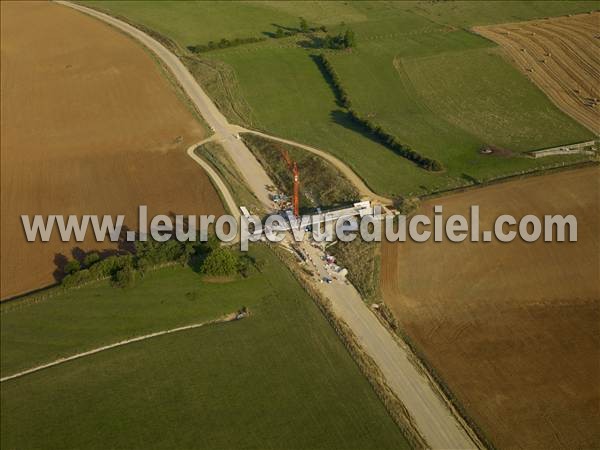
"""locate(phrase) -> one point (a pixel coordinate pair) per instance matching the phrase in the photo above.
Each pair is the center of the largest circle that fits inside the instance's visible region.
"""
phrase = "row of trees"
(123, 269)
(392, 142)
(340, 93)
(223, 43)
(376, 131)
(119, 268)
(338, 41)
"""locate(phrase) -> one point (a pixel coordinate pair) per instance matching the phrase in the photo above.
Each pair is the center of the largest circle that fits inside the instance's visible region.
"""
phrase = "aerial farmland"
(508, 326)
(561, 57)
(157, 333)
(82, 132)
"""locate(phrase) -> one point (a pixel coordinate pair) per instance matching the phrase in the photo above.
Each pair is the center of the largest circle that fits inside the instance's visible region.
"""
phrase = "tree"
(142, 265)
(349, 39)
(221, 261)
(124, 277)
(303, 25)
(72, 266)
(91, 259)
(211, 244)
(406, 205)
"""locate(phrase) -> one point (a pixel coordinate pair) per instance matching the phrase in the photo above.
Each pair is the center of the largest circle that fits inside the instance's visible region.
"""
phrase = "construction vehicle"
(293, 166)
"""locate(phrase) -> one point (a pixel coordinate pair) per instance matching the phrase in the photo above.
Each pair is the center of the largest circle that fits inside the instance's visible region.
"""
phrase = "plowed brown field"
(562, 56)
(89, 126)
(513, 329)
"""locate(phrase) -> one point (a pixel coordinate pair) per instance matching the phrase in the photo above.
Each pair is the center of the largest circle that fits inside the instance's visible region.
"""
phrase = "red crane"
(293, 166)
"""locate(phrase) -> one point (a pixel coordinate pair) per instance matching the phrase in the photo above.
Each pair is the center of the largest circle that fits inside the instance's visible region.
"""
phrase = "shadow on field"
(78, 254)
(343, 118)
(326, 77)
(281, 31)
(313, 41)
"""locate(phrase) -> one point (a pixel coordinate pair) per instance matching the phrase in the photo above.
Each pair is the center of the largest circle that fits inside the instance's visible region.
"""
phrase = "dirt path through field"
(226, 318)
(89, 126)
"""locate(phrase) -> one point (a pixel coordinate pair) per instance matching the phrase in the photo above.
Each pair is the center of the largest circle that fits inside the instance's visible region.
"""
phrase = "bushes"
(90, 259)
(340, 93)
(99, 270)
(123, 269)
(406, 205)
(124, 277)
(220, 262)
(391, 142)
(107, 267)
(223, 43)
(339, 41)
(72, 266)
(77, 278)
(155, 252)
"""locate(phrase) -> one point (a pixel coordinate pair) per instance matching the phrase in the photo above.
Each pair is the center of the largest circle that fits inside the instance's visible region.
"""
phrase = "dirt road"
(436, 423)
(219, 184)
(225, 132)
(227, 318)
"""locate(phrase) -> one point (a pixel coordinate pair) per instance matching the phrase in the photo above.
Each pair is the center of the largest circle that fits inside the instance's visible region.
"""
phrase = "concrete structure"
(585, 148)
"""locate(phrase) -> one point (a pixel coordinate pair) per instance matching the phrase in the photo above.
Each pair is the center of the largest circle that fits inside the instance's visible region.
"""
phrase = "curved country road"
(255, 176)
(220, 185)
(432, 417)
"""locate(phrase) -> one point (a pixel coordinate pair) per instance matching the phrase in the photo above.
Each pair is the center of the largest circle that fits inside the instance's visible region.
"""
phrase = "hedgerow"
(376, 131)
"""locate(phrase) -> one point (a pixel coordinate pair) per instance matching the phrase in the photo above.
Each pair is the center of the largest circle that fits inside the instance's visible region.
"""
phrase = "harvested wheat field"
(89, 126)
(512, 329)
(561, 56)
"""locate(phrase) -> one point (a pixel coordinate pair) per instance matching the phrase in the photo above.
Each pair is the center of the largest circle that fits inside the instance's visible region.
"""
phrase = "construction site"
(291, 119)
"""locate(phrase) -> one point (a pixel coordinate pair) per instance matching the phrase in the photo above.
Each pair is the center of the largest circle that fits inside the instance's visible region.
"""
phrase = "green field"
(417, 70)
(280, 378)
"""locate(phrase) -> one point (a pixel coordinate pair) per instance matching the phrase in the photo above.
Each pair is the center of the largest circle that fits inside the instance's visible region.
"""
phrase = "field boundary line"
(226, 318)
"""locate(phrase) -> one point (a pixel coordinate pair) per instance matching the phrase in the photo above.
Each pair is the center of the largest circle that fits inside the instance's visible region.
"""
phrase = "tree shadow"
(329, 81)
(342, 118)
(60, 261)
(123, 244)
(311, 42)
(281, 31)
(284, 28)
(469, 178)
(77, 253)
